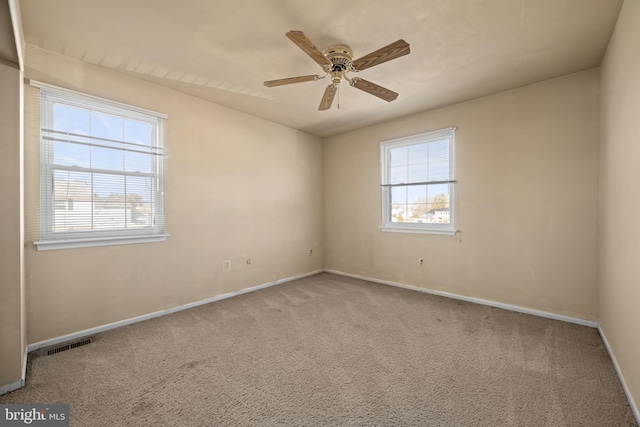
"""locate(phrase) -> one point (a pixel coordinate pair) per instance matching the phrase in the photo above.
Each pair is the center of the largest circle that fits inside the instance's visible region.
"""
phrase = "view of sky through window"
(103, 170)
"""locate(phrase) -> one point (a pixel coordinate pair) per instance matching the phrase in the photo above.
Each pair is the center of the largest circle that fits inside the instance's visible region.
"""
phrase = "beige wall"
(527, 170)
(12, 328)
(619, 197)
(237, 187)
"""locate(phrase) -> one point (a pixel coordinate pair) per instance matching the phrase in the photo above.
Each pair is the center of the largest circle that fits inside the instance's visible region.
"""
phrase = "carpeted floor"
(329, 350)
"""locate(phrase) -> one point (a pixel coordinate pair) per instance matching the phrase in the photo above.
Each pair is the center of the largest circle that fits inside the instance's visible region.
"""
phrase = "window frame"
(51, 239)
(417, 227)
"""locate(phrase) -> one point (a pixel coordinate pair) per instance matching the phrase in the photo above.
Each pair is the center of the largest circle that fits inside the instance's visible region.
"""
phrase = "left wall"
(12, 328)
(12, 279)
(237, 187)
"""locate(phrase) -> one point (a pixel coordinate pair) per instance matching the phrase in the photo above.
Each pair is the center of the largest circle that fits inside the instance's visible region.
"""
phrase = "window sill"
(418, 230)
(48, 245)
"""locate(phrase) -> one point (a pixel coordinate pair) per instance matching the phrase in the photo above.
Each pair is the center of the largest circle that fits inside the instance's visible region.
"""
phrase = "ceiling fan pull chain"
(338, 97)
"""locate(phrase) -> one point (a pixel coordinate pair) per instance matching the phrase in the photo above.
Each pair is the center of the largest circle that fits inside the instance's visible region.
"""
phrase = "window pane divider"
(101, 171)
(79, 135)
(449, 181)
(89, 144)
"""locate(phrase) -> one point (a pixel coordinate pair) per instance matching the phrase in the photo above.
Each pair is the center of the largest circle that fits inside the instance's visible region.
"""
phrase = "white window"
(418, 183)
(101, 174)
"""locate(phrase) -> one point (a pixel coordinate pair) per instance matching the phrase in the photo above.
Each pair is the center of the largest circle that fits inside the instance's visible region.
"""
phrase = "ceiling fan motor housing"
(341, 57)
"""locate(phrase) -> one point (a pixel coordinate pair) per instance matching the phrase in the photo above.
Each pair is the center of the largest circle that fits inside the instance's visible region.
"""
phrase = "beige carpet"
(328, 350)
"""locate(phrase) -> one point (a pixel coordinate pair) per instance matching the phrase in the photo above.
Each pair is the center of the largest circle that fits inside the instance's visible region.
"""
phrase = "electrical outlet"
(226, 265)
(310, 251)
(421, 261)
(248, 261)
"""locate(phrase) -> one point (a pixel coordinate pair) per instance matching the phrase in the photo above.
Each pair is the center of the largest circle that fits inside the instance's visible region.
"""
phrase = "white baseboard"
(103, 328)
(627, 392)
(10, 387)
(490, 303)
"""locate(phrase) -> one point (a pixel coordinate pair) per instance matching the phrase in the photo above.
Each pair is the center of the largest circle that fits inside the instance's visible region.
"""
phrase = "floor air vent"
(68, 346)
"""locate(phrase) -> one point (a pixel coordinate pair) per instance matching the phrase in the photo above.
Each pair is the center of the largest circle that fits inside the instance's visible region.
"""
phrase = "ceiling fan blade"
(290, 80)
(327, 98)
(374, 89)
(394, 50)
(309, 48)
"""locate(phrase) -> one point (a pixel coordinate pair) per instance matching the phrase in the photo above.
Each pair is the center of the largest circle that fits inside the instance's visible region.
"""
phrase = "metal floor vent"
(68, 346)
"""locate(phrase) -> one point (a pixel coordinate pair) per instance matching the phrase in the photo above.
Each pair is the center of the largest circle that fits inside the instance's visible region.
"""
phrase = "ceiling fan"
(337, 61)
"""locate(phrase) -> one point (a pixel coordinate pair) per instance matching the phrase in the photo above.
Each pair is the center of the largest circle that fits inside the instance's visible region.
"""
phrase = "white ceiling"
(223, 50)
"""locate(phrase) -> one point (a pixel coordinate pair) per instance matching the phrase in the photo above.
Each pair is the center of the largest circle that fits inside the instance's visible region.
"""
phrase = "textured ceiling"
(223, 50)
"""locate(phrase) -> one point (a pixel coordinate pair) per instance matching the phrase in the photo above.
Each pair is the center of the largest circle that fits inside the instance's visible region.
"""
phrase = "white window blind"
(101, 172)
(418, 183)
